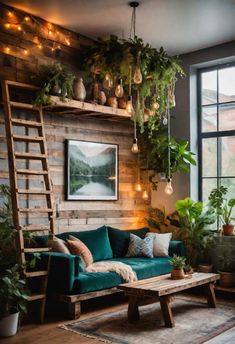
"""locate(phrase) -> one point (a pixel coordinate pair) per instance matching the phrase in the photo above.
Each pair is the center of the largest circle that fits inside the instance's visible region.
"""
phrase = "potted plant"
(188, 270)
(223, 208)
(54, 79)
(12, 283)
(193, 225)
(178, 264)
(226, 270)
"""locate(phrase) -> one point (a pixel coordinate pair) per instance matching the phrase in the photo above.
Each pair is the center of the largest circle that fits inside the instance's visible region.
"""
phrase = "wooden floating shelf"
(85, 109)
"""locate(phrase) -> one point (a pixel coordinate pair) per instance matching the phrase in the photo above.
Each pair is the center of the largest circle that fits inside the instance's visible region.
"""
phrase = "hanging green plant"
(154, 72)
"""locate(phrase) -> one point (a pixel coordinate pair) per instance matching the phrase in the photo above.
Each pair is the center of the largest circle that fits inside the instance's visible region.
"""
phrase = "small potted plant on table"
(223, 208)
(178, 264)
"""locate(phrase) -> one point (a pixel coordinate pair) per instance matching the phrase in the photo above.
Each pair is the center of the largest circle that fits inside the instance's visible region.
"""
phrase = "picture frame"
(91, 171)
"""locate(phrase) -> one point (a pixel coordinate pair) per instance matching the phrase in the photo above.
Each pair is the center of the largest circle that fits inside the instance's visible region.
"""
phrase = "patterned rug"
(195, 324)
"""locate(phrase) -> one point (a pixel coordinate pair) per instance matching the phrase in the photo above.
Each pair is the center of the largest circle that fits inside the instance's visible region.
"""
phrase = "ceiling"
(180, 26)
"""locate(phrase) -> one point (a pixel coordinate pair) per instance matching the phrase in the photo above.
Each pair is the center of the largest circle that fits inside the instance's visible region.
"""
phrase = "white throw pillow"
(161, 244)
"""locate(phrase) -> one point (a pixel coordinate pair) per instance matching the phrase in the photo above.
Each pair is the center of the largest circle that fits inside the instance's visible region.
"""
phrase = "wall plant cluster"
(130, 67)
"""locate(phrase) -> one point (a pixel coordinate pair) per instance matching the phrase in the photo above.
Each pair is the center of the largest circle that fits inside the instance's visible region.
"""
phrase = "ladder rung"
(21, 171)
(35, 210)
(35, 228)
(22, 105)
(26, 123)
(33, 192)
(21, 85)
(34, 297)
(35, 250)
(26, 138)
(35, 156)
(36, 273)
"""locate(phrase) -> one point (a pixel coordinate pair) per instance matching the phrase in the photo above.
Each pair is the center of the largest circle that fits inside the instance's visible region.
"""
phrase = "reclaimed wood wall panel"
(130, 210)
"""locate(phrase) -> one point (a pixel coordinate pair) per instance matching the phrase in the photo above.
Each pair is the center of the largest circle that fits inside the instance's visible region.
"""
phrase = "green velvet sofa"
(68, 280)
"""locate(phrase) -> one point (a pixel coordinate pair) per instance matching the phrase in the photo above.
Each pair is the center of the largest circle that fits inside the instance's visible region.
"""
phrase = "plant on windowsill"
(178, 264)
(223, 208)
(192, 222)
(226, 269)
(54, 79)
(13, 296)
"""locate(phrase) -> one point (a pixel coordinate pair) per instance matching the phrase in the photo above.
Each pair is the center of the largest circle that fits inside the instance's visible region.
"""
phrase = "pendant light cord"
(133, 22)
(169, 135)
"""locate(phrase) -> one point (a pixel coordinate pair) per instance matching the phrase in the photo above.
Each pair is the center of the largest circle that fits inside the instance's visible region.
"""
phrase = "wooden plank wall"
(130, 210)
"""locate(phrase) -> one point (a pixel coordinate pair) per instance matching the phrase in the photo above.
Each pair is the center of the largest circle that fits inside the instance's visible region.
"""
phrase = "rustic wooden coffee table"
(162, 288)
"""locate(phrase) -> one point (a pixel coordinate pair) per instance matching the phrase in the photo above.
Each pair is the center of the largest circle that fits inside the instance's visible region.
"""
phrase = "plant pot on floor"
(206, 268)
(9, 325)
(228, 229)
(177, 274)
(227, 279)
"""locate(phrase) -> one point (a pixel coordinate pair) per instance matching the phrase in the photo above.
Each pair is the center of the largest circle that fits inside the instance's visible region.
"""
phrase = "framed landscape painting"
(91, 171)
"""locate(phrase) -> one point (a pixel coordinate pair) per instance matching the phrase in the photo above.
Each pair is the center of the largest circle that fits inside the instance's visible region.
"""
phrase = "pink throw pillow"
(78, 248)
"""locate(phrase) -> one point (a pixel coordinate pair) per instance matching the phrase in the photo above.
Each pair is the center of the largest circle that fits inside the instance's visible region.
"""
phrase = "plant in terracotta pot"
(12, 283)
(193, 223)
(223, 208)
(226, 269)
(188, 270)
(178, 264)
(54, 79)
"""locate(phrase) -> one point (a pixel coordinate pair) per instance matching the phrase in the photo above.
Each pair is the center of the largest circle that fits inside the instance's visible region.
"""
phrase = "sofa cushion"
(140, 247)
(161, 243)
(119, 239)
(96, 240)
(144, 268)
(59, 245)
(78, 248)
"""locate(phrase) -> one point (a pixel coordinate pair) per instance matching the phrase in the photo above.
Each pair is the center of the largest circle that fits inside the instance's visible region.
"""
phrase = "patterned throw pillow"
(59, 245)
(161, 243)
(78, 248)
(140, 247)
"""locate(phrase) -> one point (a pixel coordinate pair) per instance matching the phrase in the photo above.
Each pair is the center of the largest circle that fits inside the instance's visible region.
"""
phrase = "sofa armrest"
(63, 269)
(176, 247)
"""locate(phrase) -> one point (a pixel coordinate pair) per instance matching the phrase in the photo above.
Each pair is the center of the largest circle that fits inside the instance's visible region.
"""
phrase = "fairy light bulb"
(108, 81)
(119, 89)
(138, 187)
(135, 148)
(7, 25)
(7, 49)
(68, 42)
(10, 14)
(129, 106)
(26, 19)
(168, 189)
(19, 28)
(39, 46)
(145, 195)
(156, 105)
(26, 52)
(137, 78)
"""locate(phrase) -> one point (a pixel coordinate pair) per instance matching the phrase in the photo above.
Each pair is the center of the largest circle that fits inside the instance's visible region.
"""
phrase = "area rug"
(195, 324)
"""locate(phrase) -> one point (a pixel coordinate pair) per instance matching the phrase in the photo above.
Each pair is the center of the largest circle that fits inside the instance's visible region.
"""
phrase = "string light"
(49, 32)
(39, 46)
(8, 25)
(68, 42)
(7, 49)
(26, 52)
(19, 28)
(10, 14)
(27, 19)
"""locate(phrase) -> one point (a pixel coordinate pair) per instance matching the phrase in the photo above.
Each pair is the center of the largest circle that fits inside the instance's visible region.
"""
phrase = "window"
(216, 129)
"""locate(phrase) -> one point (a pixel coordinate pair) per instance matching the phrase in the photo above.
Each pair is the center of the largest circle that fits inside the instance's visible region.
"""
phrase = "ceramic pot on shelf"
(122, 103)
(177, 274)
(112, 101)
(79, 91)
(102, 98)
(56, 91)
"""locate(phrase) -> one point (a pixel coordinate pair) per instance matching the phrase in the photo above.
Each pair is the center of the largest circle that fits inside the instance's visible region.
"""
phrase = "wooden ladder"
(16, 173)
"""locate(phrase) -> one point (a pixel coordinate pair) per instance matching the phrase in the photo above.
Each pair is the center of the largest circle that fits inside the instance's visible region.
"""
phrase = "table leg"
(133, 310)
(166, 311)
(210, 294)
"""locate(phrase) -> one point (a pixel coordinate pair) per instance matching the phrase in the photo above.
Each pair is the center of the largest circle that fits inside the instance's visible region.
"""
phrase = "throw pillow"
(119, 239)
(161, 243)
(140, 247)
(78, 248)
(59, 245)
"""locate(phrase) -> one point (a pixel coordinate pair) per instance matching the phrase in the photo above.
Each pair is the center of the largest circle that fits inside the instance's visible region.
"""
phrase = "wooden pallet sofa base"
(74, 301)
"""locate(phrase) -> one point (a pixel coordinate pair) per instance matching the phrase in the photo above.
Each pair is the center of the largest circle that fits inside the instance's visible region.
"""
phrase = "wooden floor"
(50, 333)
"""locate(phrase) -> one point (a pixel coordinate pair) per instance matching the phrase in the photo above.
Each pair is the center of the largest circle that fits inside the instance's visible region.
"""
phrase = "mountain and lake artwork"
(92, 171)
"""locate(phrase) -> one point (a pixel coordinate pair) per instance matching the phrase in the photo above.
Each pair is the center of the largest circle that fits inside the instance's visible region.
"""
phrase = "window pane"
(209, 157)
(207, 186)
(209, 87)
(209, 118)
(227, 117)
(230, 184)
(227, 84)
(227, 156)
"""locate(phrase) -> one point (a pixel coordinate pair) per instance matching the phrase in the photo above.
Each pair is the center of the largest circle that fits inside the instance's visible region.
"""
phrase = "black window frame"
(214, 134)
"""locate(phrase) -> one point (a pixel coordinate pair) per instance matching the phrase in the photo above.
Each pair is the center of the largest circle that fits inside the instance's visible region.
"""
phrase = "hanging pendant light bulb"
(129, 106)
(135, 148)
(137, 77)
(168, 189)
(145, 195)
(138, 187)
(107, 82)
(119, 89)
